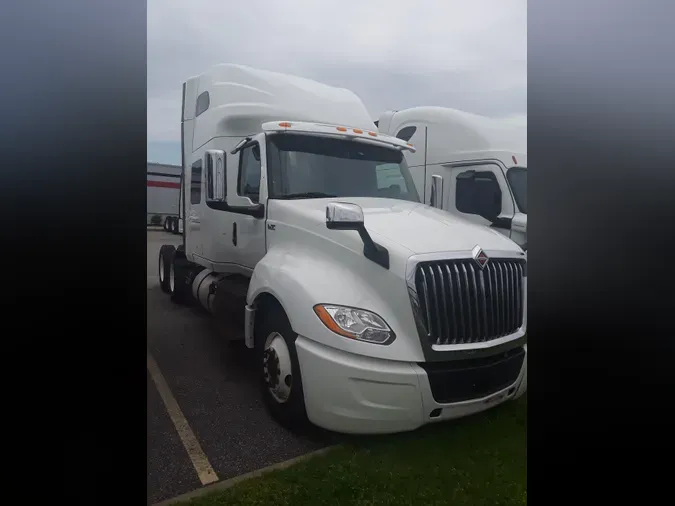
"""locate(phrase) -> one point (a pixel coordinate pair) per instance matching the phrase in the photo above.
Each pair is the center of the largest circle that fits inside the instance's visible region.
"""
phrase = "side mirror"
(216, 189)
(489, 208)
(436, 198)
(344, 216)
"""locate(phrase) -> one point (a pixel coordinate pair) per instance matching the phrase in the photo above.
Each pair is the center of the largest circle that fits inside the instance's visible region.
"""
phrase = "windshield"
(303, 166)
(517, 177)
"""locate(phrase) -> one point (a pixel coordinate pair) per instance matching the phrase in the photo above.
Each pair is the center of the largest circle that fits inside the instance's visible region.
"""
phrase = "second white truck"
(163, 197)
(367, 310)
(467, 164)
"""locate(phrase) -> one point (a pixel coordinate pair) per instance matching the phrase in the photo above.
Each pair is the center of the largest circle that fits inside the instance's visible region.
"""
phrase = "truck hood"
(410, 225)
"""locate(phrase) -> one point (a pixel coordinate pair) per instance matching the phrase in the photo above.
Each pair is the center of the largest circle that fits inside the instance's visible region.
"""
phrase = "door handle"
(234, 234)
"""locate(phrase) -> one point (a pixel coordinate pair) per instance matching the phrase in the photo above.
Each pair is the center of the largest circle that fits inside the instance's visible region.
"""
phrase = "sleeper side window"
(203, 103)
(406, 133)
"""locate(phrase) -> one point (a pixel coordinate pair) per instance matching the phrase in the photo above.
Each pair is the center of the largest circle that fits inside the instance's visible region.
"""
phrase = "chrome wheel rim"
(277, 367)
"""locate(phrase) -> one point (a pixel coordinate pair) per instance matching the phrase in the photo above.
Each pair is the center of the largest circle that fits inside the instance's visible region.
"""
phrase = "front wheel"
(279, 369)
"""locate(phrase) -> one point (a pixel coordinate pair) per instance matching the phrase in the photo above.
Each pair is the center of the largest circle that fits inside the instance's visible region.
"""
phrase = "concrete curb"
(225, 484)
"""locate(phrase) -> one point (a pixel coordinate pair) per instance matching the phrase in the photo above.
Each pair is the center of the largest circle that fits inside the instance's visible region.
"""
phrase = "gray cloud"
(393, 54)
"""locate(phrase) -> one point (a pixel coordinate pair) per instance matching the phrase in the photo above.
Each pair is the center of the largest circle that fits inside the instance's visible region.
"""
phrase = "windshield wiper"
(305, 195)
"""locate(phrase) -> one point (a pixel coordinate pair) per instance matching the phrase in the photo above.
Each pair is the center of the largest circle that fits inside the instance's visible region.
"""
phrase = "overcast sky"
(470, 55)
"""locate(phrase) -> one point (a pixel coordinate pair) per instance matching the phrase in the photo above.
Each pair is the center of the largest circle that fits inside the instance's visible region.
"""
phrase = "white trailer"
(367, 311)
(163, 198)
(467, 164)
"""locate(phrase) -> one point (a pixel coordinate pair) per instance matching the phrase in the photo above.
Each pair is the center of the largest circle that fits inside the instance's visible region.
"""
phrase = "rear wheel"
(165, 259)
(180, 279)
(174, 225)
(279, 368)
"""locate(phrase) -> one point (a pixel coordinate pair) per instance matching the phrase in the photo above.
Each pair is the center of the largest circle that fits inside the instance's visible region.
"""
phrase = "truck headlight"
(355, 323)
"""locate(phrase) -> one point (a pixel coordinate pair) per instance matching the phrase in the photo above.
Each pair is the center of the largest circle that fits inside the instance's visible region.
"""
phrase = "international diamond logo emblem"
(480, 257)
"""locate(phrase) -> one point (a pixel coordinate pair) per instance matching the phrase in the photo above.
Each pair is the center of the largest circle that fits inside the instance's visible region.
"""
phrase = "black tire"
(174, 225)
(290, 414)
(166, 253)
(182, 287)
(166, 223)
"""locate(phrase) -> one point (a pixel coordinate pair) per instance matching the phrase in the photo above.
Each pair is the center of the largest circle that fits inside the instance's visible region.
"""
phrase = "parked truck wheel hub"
(277, 367)
(161, 268)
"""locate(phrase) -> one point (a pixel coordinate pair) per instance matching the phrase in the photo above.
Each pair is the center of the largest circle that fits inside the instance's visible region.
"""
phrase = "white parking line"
(197, 456)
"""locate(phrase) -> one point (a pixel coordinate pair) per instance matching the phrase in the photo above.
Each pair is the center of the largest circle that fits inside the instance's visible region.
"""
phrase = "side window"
(249, 173)
(203, 102)
(196, 183)
(405, 134)
(478, 193)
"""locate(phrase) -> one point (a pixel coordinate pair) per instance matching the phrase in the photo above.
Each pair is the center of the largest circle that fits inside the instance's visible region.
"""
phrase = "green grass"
(480, 460)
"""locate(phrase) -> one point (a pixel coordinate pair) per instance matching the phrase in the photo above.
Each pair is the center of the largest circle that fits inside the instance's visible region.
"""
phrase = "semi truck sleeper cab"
(367, 310)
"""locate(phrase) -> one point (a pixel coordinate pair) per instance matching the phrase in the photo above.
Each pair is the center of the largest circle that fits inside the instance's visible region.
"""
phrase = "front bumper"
(361, 395)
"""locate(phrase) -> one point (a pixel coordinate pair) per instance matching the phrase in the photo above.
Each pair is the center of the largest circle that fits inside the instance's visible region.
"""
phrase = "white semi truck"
(367, 310)
(467, 164)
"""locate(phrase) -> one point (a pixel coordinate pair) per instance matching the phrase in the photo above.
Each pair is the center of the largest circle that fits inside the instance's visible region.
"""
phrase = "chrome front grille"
(457, 302)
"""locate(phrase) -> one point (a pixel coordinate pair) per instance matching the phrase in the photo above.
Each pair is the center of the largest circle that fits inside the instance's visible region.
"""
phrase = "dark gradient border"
(601, 131)
(73, 140)
(601, 112)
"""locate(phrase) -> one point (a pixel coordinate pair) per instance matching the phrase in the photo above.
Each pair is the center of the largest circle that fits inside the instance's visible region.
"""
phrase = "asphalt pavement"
(206, 421)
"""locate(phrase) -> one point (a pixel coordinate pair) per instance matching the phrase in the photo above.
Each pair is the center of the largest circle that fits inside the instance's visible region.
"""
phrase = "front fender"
(300, 278)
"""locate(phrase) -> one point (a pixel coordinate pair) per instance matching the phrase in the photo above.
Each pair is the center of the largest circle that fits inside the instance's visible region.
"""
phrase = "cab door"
(247, 186)
(194, 207)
